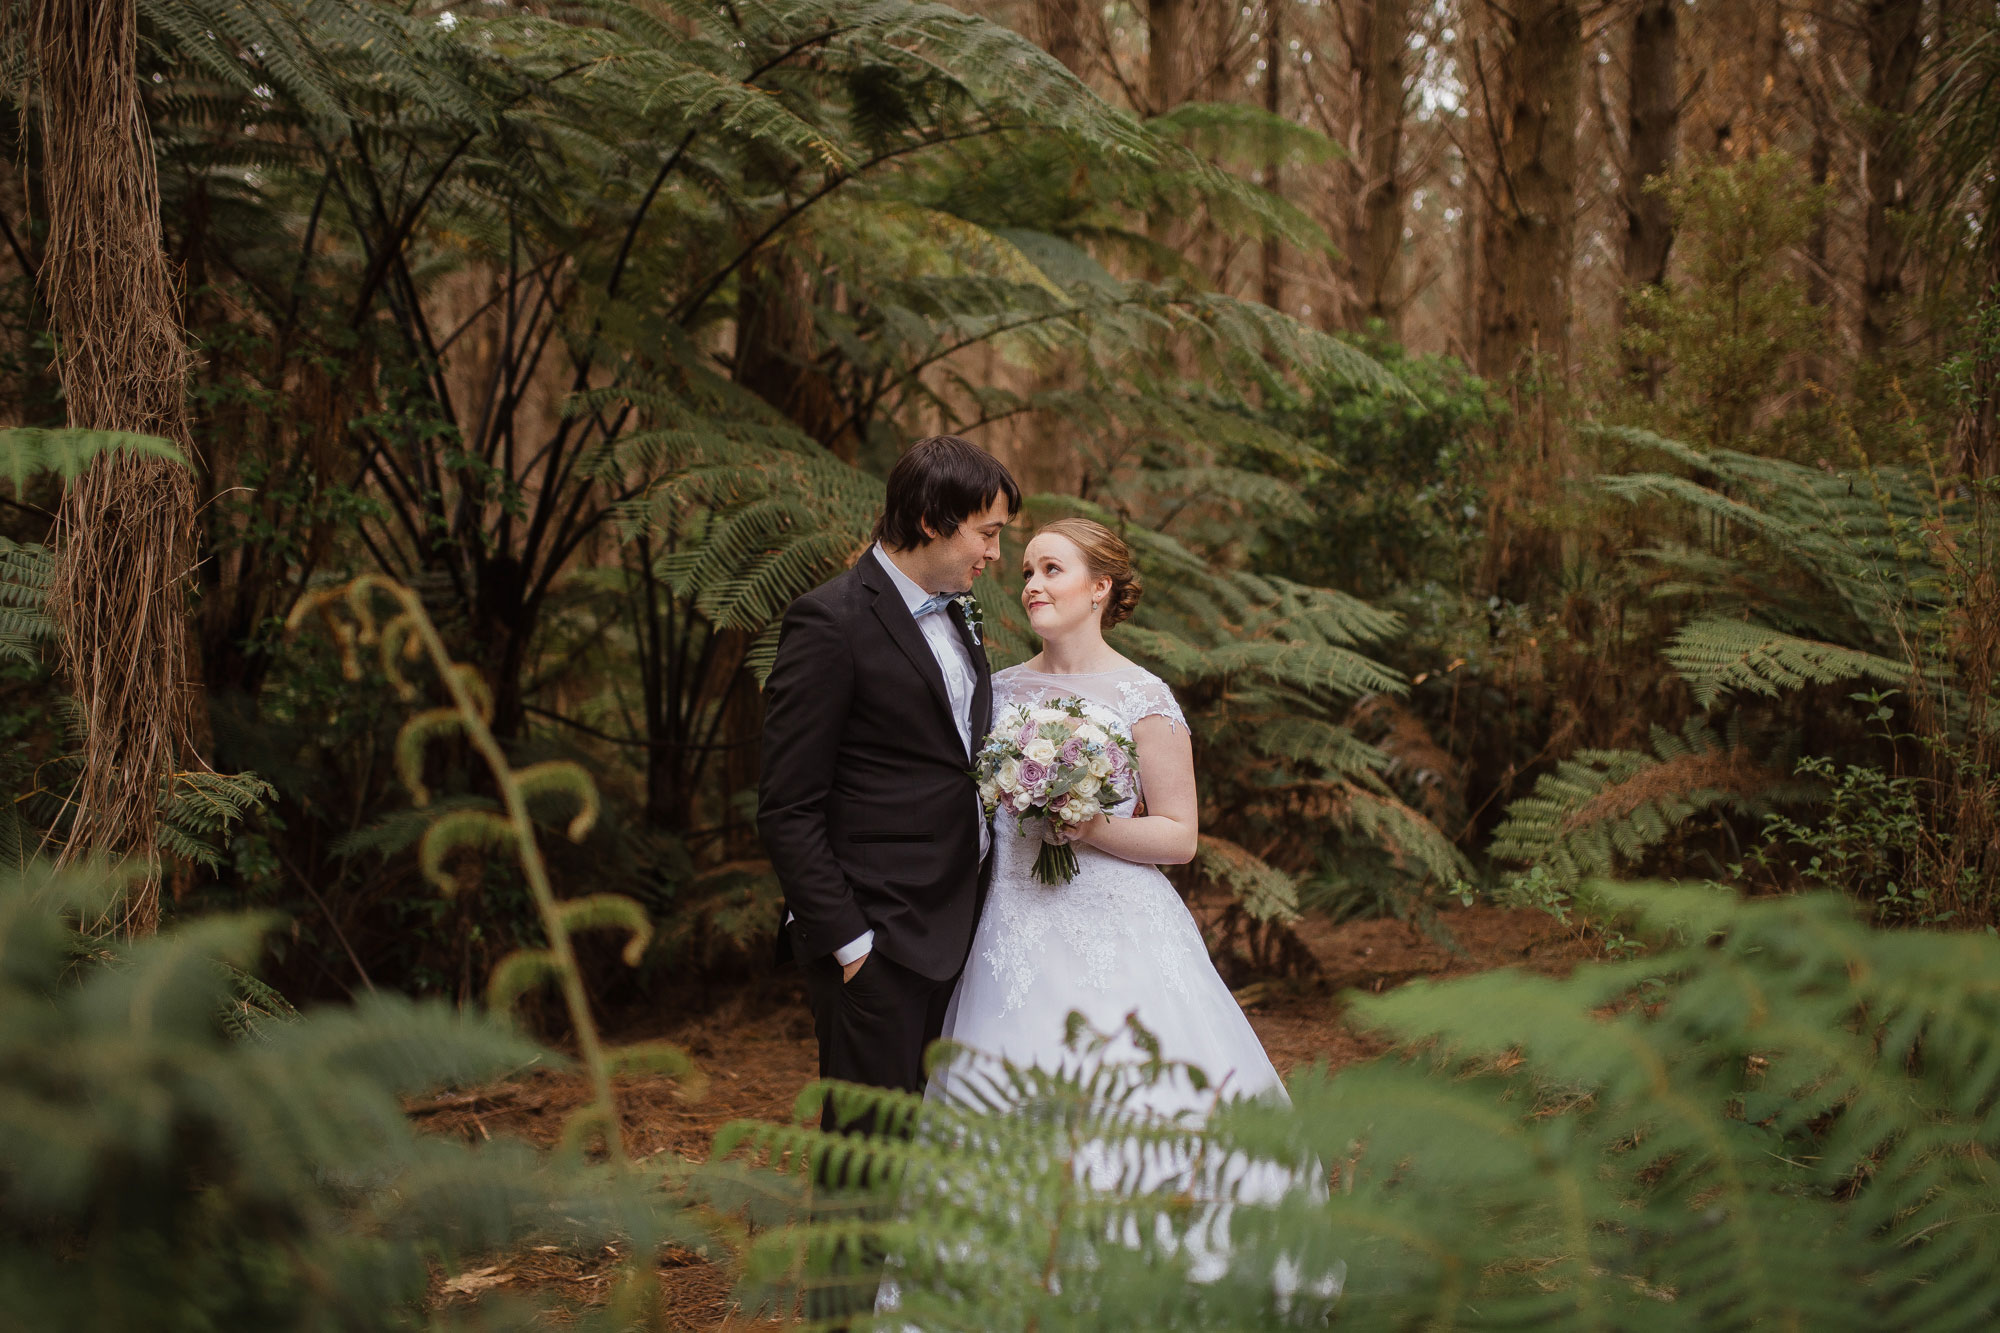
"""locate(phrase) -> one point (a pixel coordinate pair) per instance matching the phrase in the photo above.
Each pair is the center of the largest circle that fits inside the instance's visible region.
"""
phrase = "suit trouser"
(872, 1029)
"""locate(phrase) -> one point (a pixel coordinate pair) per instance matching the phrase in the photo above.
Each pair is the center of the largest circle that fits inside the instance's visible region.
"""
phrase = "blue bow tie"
(935, 602)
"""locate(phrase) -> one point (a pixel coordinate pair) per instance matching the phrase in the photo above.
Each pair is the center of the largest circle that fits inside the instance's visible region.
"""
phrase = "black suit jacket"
(866, 801)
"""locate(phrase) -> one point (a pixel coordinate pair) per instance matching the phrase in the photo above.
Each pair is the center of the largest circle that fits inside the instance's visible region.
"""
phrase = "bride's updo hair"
(1108, 557)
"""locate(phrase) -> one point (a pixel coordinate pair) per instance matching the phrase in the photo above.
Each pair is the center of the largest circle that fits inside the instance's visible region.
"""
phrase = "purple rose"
(1071, 753)
(1027, 734)
(1117, 753)
(1033, 775)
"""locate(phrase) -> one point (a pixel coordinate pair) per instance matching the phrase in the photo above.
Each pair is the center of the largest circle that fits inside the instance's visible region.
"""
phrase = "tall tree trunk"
(1271, 285)
(1166, 55)
(1652, 116)
(1166, 86)
(1894, 40)
(1376, 245)
(1529, 227)
(1059, 29)
(776, 343)
(124, 537)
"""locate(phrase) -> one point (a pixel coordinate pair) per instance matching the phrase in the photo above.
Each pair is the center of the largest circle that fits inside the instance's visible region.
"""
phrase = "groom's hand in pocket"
(847, 970)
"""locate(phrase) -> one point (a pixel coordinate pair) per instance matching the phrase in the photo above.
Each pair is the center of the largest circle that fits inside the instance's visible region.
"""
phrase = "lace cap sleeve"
(1146, 695)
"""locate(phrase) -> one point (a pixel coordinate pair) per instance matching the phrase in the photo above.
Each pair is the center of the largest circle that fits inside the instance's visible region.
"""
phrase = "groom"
(872, 712)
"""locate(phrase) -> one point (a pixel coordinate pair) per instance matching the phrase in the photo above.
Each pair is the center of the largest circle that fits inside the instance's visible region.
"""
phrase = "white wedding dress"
(1115, 941)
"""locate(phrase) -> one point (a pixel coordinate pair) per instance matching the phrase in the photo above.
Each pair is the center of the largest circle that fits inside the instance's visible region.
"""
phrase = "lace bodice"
(1115, 913)
(1131, 692)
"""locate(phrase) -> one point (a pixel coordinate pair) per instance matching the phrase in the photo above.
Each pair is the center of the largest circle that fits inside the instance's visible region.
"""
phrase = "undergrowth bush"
(176, 1157)
(179, 1150)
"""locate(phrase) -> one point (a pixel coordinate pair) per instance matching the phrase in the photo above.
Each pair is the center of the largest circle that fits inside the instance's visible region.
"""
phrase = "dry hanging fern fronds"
(124, 537)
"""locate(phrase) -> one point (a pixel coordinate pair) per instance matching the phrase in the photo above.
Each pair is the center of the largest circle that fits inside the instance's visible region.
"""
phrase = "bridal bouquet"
(1050, 761)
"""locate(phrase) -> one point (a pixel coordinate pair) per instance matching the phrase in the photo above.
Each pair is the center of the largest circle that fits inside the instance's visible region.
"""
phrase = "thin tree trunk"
(125, 534)
(1653, 113)
(1059, 29)
(1978, 434)
(1166, 55)
(1529, 231)
(1819, 291)
(1377, 243)
(1166, 63)
(1894, 41)
(1271, 285)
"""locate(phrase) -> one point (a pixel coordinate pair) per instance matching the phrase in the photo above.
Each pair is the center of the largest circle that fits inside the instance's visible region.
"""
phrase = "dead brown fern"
(1430, 774)
(125, 534)
(1734, 771)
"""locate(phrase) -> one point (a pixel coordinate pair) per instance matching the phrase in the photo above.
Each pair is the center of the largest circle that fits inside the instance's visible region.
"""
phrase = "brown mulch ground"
(756, 1049)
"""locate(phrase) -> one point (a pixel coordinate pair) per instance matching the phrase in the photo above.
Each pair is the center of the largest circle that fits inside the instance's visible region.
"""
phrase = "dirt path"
(756, 1050)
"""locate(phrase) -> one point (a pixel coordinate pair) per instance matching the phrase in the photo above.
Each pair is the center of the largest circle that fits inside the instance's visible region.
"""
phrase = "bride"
(1116, 940)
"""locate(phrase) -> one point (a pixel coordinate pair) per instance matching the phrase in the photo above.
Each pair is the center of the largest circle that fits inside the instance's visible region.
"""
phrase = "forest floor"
(755, 1047)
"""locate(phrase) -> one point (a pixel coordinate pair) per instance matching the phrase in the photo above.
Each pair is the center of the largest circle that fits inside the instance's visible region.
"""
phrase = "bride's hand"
(1085, 832)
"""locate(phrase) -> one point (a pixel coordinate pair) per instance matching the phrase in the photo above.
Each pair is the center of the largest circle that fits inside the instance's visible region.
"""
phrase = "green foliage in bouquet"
(1780, 1119)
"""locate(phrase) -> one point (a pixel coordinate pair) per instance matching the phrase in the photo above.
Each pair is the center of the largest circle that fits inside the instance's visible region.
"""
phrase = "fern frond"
(198, 809)
(1265, 892)
(26, 572)
(27, 450)
(1603, 807)
(1716, 656)
(1737, 1131)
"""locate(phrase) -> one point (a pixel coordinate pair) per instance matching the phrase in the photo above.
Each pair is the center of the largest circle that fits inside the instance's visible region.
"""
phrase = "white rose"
(1099, 766)
(1041, 716)
(1041, 749)
(1087, 788)
(1009, 775)
(1091, 734)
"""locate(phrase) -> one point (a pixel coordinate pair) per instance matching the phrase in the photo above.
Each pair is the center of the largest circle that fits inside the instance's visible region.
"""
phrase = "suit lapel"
(903, 631)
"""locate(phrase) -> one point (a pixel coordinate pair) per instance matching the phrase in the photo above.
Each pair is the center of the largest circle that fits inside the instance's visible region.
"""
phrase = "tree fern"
(621, 172)
(25, 571)
(1715, 656)
(1798, 576)
(1832, 555)
(1603, 809)
(199, 809)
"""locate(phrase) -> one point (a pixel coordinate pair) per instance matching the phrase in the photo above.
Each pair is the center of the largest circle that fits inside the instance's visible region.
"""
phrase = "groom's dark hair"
(941, 482)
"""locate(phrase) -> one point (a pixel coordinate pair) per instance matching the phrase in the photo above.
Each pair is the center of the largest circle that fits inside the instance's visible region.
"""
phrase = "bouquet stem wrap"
(1055, 863)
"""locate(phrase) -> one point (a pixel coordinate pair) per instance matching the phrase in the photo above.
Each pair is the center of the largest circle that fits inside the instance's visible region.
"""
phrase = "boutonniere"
(969, 606)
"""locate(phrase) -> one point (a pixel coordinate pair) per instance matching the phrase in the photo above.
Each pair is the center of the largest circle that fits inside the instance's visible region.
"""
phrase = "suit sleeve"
(806, 701)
